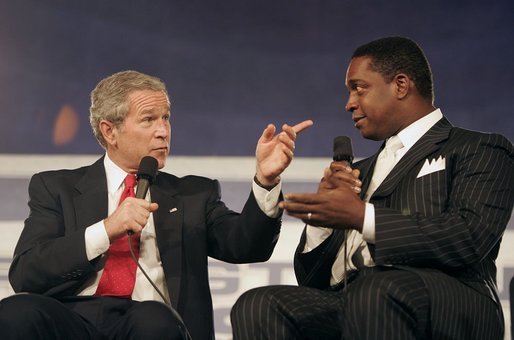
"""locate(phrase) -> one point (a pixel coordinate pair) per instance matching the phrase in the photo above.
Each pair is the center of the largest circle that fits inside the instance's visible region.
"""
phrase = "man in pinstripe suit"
(407, 253)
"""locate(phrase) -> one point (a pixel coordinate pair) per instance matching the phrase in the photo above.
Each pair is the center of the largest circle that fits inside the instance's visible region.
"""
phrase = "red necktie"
(119, 275)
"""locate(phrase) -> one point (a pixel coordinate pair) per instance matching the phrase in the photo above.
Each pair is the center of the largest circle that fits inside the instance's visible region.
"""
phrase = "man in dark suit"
(63, 254)
(407, 253)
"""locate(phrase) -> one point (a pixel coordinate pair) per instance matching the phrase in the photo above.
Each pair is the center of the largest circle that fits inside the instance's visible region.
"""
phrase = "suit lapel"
(366, 168)
(168, 220)
(426, 145)
(91, 206)
(91, 203)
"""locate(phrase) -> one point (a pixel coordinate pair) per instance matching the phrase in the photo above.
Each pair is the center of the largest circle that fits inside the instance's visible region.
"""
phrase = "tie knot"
(130, 181)
(394, 144)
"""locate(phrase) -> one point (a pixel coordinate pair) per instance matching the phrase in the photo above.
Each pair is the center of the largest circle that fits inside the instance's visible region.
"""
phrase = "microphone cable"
(143, 271)
(181, 324)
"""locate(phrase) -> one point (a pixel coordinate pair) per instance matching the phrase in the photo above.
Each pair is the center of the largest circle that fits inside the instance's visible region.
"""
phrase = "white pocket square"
(432, 166)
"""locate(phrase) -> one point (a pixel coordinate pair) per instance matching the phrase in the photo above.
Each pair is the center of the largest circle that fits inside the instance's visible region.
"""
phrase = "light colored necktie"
(386, 161)
(357, 253)
(119, 275)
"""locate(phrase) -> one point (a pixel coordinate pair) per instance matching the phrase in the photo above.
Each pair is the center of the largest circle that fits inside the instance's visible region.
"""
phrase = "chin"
(160, 157)
(161, 160)
(370, 136)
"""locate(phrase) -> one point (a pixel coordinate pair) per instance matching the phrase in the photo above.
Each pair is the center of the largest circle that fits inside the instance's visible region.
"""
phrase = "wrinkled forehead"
(148, 100)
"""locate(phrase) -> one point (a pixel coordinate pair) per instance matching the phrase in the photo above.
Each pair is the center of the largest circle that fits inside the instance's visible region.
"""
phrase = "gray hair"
(109, 99)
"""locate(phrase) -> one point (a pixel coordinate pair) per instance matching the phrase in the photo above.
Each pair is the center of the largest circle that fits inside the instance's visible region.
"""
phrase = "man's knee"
(29, 316)
(22, 307)
(155, 320)
(386, 298)
(384, 287)
(243, 302)
(253, 300)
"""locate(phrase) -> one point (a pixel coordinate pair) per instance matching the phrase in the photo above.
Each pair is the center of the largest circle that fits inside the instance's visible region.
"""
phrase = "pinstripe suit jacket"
(449, 221)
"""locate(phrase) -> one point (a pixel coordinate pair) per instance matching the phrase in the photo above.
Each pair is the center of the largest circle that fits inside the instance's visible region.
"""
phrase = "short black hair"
(393, 55)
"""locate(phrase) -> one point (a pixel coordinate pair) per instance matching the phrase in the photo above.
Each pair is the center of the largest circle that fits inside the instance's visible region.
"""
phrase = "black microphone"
(343, 153)
(343, 149)
(145, 175)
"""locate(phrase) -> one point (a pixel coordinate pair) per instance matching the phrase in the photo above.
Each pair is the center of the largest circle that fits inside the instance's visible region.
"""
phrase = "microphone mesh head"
(148, 168)
(343, 149)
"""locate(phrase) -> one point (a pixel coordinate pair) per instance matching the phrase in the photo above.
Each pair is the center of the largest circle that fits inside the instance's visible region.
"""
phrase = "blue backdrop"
(232, 66)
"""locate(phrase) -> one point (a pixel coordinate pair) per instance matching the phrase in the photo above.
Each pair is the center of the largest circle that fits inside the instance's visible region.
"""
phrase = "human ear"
(108, 131)
(402, 85)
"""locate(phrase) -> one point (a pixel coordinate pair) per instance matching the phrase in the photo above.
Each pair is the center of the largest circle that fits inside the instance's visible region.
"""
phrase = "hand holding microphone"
(337, 203)
(132, 214)
(340, 171)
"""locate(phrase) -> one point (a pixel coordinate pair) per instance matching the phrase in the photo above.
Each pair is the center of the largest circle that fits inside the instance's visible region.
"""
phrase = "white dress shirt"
(316, 235)
(97, 241)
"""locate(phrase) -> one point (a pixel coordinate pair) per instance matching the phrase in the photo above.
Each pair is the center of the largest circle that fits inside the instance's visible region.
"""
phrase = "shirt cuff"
(368, 226)
(267, 200)
(315, 236)
(97, 240)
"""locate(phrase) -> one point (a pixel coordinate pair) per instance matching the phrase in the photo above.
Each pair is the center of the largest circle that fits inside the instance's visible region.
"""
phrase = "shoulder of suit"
(465, 136)
(63, 173)
(197, 181)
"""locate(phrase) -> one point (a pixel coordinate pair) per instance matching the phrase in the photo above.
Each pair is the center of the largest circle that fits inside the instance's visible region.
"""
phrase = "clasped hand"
(131, 215)
(335, 205)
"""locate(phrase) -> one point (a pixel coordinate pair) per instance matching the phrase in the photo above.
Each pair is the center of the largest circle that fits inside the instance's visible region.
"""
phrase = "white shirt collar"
(115, 175)
(412, 133)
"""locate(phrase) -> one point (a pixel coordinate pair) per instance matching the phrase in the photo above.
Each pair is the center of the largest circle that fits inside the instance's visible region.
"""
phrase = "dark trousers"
(33, 316)
(380, 303)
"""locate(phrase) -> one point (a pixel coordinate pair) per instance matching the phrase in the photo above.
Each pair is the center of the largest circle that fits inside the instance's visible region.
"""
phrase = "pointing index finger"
(302, 126)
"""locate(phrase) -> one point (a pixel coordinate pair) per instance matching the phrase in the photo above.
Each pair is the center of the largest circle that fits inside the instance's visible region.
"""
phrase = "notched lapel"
(169, 220)
(425, 146)
(366, 169)
(91, 203)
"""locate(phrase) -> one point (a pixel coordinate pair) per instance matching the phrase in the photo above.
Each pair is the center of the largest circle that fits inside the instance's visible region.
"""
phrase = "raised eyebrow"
(148, 112)
(153, 111)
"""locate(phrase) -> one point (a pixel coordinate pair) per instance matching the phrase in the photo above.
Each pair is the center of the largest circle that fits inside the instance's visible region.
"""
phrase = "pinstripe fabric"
(398, 297)
(437, 239)
(287, 312)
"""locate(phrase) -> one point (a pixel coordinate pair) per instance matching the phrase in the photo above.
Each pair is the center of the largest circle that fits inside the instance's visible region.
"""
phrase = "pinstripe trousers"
(380, 303)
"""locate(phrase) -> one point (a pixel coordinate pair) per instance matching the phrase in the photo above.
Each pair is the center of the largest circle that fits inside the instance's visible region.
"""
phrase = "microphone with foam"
(145, 175)
(343, 149)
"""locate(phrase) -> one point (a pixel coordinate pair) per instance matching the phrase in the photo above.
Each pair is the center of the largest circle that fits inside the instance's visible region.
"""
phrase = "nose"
(163, 129)
(351, 104)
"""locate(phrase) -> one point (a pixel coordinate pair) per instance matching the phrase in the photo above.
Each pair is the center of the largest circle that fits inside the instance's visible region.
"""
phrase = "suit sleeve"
(249, 236)
(48, 259)
(477, 203)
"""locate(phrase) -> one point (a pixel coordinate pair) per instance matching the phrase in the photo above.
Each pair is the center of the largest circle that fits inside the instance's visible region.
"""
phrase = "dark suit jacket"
(448, 221)
(50, 256)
